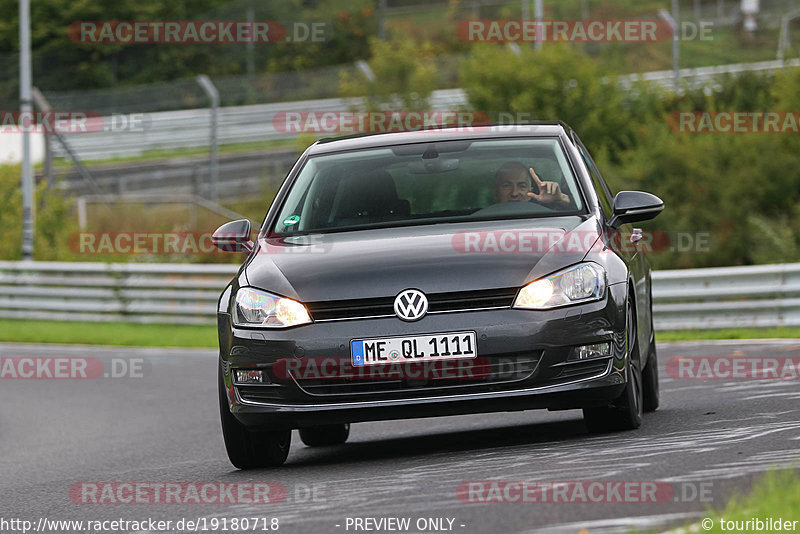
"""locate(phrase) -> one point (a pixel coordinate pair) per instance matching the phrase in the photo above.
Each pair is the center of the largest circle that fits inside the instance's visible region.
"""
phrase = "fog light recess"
(250, 376)
(595, 350)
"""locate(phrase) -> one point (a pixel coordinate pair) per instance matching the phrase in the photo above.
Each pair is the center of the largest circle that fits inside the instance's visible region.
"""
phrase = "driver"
(512, 183)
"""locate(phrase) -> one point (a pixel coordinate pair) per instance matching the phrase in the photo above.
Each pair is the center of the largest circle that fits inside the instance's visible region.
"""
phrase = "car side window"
(603, 192)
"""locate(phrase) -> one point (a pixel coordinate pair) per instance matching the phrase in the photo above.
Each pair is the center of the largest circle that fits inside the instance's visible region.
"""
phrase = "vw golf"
(441, 272)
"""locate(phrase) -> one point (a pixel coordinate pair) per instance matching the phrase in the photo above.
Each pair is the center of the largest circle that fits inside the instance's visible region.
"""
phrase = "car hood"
(434, 259)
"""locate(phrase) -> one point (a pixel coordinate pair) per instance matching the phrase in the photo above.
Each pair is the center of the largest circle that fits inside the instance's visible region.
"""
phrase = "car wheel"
(248, 449)
(625, 413)
(651, 395)
(318, 436)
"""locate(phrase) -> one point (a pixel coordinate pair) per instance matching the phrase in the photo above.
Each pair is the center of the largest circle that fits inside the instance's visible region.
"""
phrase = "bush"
(52, 212)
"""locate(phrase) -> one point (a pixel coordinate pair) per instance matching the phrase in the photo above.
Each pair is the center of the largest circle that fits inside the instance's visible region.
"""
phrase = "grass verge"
(111, 333)
(728, 333)
(776, 496)
(169, 335)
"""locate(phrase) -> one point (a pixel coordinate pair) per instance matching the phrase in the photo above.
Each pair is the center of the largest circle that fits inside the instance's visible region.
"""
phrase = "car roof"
(376, 140)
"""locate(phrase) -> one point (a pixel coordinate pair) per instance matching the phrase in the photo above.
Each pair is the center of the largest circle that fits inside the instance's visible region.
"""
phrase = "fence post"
(41, 102)
(26, 106)
(250, 45)
(382, 20)
(673, 19)
(538, 13)
(82, 212)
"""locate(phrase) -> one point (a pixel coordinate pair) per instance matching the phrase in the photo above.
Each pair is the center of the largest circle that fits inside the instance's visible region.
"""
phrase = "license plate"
(383, 350)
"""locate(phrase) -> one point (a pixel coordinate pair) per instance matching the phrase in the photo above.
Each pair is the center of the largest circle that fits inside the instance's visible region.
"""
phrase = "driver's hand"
(549, 192)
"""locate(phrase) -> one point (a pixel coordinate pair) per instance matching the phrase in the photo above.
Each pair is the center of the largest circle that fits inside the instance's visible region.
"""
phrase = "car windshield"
(430, 183)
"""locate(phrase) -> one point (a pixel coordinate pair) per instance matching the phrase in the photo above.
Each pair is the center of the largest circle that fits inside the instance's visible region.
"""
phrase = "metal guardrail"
(143, 292)
(753, 296)
(727, 297)
(703, 76)
(241, 175)
(238, 124)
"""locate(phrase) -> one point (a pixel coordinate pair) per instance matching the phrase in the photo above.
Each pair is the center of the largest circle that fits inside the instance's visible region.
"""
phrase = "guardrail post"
(41, 102)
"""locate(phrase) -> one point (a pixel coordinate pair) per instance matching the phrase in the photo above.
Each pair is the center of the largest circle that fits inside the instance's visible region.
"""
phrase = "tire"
(651, 395)
(321, 436)
(249, 449)
(651, 391)
(624, 413)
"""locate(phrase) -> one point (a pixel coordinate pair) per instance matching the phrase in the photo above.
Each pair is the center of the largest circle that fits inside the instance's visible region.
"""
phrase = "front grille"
(488, 371)
(437, 303)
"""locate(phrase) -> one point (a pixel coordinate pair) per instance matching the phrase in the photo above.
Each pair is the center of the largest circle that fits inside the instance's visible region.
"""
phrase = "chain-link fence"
(323, 81)
(187, 94)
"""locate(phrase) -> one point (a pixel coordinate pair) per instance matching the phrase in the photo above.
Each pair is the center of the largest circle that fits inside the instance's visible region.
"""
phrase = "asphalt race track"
(710, 436)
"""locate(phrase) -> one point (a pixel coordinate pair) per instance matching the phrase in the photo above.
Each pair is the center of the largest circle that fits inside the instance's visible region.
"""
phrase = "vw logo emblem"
(410, 305)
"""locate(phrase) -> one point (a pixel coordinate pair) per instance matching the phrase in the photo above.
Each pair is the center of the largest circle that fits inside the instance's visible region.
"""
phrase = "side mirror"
(633, 206)
(233, 236)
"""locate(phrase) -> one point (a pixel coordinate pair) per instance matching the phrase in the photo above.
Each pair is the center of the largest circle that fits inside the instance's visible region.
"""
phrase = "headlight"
(581, 283)
(253, 307)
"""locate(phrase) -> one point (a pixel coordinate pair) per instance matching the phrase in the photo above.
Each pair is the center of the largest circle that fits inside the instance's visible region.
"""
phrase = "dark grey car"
(435, 273)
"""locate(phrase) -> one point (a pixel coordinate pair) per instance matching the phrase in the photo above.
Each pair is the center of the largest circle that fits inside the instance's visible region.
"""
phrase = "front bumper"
(542, 340)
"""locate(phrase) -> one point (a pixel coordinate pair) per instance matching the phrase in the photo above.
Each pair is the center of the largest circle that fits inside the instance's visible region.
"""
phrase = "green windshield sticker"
(294, 219)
